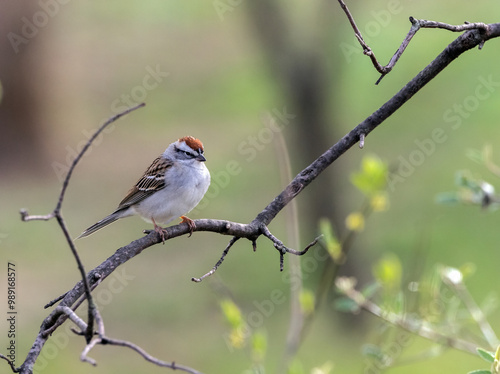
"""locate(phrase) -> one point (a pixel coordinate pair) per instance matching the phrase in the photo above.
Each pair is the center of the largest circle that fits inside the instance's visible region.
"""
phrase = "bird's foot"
(190, 223)
(161, 231)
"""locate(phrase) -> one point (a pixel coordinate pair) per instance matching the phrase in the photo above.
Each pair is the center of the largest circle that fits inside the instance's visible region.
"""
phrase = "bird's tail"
(99, 225)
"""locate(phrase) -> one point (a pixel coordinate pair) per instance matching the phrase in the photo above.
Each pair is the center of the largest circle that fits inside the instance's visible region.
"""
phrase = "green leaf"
(480, 371)
(330, 240)
(232, 313)
(388, 271)
(486, 355)
(372, 177)
(259, 346)
(307, 301)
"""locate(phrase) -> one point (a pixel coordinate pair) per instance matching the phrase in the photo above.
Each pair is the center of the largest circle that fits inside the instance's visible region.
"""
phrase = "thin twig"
(11, 363)
(102, 339)
(415, 26)
(282, 249)
(214, 269)
(172, 365)
(73, 317)
(52, 302)
(26, 217)
(455, 28)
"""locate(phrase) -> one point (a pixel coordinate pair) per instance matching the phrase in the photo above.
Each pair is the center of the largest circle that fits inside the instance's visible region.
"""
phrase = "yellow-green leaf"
(355, 221)
(388, 271)
(232, 313)
(372, 177)
(330, 240)
(307, 300)
(259, 346)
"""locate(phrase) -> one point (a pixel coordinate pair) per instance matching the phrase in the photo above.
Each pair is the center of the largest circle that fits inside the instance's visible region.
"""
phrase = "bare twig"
(224, 253)
(26, 217)
(172, 365)
(73, 317)
(11, 363)
(455, 28)
(415, 26)
(52, 302)
(282, 249)
(24, 213)
(102, 339)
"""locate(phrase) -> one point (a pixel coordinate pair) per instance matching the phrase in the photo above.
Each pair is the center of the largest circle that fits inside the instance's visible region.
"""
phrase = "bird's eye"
(187, 153)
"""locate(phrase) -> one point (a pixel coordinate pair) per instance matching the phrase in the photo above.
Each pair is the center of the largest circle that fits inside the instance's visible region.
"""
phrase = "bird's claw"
(190, 223)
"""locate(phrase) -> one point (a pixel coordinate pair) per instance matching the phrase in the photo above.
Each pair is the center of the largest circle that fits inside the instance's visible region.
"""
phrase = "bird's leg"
(190, 223)
(160, 230)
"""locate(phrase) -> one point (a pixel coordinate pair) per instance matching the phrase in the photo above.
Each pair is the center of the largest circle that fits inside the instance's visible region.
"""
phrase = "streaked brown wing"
(153, 180)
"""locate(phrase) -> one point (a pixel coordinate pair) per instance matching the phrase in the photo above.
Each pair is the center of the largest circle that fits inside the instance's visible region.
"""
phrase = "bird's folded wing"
(152, 181)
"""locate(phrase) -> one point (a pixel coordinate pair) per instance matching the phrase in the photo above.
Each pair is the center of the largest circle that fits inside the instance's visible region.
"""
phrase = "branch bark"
(258, 226)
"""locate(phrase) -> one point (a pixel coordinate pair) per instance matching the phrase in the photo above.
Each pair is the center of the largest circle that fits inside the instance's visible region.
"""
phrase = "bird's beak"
(201, 158)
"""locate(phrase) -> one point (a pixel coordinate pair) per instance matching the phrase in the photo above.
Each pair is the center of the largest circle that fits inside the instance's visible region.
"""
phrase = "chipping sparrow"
(172, 186)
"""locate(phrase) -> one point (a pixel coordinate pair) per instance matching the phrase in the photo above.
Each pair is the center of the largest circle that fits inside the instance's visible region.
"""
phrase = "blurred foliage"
(330, 240)
(445, 310)
(307, 301)
(474, 190)
(388, 272)
(372, 178)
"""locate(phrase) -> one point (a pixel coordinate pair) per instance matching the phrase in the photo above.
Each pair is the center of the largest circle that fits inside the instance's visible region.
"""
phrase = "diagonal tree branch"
(463, 43)
(258, 226)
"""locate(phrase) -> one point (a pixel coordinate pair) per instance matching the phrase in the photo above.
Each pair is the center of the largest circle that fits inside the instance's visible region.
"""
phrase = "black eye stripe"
(187, 153)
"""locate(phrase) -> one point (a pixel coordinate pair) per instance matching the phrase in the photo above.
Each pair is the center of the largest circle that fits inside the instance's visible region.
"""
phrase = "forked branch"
(104, 340)
(416, 25)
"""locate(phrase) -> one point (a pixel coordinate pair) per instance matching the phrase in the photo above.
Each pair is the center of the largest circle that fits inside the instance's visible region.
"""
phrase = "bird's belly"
(163, 208)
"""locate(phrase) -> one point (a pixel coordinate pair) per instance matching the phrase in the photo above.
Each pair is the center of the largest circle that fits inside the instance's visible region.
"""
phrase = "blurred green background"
(216, 70)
